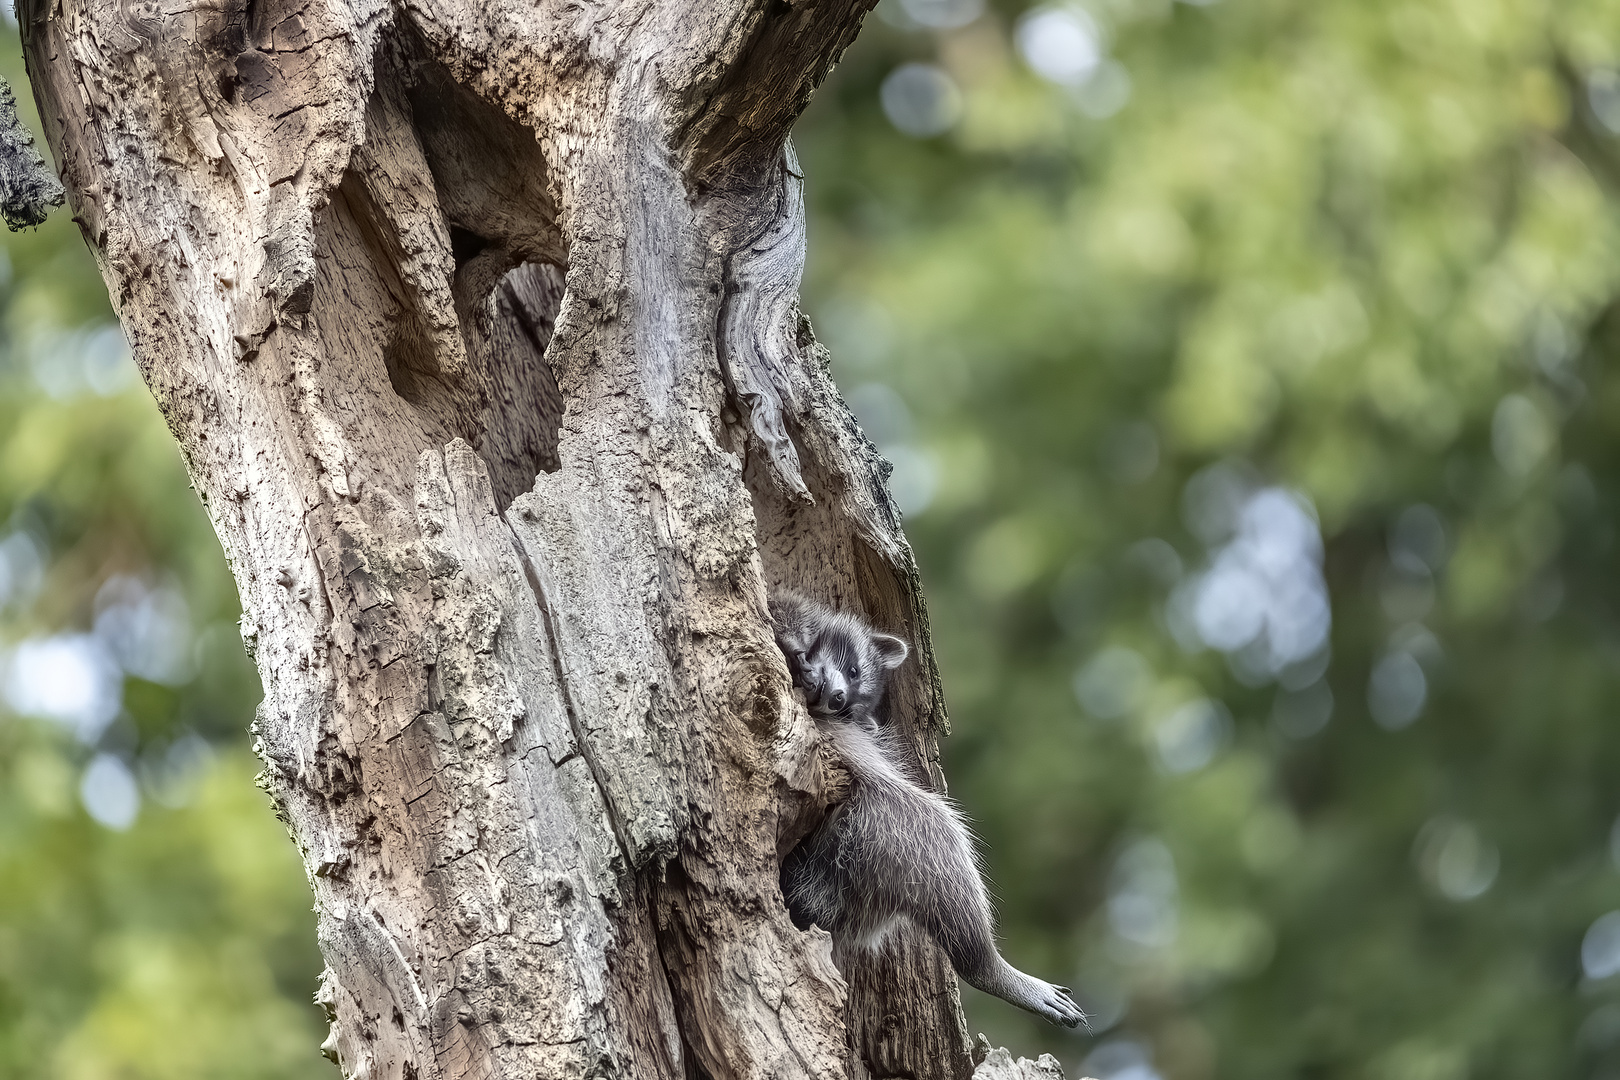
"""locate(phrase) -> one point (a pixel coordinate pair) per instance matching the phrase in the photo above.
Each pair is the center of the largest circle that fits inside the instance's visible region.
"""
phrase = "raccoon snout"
(838, 700)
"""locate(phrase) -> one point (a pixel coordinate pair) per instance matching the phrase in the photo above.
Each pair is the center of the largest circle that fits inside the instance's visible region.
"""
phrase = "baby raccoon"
(893, 850)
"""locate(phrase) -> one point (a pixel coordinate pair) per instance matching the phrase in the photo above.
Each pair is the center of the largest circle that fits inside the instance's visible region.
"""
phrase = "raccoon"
(893, 849)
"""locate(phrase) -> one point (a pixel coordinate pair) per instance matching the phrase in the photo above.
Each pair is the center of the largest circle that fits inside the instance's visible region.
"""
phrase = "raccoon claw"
(1056, 1005)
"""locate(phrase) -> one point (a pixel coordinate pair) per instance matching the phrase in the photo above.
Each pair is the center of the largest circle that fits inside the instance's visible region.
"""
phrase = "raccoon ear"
(891, 651)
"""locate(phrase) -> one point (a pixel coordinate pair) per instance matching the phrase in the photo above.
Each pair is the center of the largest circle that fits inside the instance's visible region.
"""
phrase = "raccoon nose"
(837, 700)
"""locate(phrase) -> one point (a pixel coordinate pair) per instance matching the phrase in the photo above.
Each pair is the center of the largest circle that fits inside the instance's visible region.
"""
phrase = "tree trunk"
(476, 322)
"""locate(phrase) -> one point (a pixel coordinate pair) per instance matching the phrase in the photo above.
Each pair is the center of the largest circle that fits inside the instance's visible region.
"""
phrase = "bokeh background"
(1248, 371)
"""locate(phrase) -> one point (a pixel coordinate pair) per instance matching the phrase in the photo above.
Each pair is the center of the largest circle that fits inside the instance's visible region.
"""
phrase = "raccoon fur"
(893, 849)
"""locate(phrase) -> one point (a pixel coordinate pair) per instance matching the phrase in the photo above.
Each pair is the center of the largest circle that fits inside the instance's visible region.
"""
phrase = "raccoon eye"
(851, 674)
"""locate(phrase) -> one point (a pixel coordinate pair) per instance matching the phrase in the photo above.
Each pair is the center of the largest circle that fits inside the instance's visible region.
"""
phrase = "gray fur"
(893, 850)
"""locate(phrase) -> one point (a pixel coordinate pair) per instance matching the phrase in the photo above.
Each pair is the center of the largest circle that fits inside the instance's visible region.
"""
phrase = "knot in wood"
(756, 690)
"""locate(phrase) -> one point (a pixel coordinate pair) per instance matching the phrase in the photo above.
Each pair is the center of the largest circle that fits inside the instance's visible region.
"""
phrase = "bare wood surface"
(999, 1064)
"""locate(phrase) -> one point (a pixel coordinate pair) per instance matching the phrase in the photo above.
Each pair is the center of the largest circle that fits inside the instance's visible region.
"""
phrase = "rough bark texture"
(476, 322)
(28, 188)
(998, 1064)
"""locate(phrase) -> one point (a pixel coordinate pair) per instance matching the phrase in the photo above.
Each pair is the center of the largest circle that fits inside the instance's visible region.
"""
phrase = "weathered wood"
(28, 188)
(999, 1064)
(476, 323)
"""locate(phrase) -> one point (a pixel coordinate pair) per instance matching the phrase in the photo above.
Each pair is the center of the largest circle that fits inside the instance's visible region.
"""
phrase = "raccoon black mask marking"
(893, 850)
(841, 663)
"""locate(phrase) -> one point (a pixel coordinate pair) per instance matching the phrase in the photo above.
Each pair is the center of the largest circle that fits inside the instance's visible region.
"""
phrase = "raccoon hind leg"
(813, 882)
(928, 873)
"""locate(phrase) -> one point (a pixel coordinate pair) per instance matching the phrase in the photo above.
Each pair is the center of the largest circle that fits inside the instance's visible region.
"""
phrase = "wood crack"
(542, 600)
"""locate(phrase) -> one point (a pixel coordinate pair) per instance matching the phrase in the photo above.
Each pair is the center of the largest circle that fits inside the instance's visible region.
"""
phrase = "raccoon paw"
(1057, 1005)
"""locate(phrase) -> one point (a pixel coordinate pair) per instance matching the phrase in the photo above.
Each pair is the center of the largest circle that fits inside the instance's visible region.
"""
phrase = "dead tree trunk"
(476, 322)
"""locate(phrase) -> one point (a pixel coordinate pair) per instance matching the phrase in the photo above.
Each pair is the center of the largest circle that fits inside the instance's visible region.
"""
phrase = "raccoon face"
(845, 668)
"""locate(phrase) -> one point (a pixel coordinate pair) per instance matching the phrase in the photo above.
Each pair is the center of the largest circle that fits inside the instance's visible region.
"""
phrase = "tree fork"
(476, 323)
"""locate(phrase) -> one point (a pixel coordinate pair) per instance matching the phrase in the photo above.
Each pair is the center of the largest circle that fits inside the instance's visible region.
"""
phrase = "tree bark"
(476, 322)
(28, 188)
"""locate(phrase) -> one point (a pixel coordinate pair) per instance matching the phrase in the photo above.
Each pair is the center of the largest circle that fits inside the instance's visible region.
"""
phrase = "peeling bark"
(476, 322)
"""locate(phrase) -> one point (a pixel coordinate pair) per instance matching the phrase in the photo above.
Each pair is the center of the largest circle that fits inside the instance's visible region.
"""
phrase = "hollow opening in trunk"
(450, 266)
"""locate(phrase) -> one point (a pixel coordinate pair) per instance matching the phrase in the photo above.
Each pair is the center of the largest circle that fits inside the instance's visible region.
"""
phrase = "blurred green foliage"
(1243, 278)
(182, 947)
(1364, 252)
